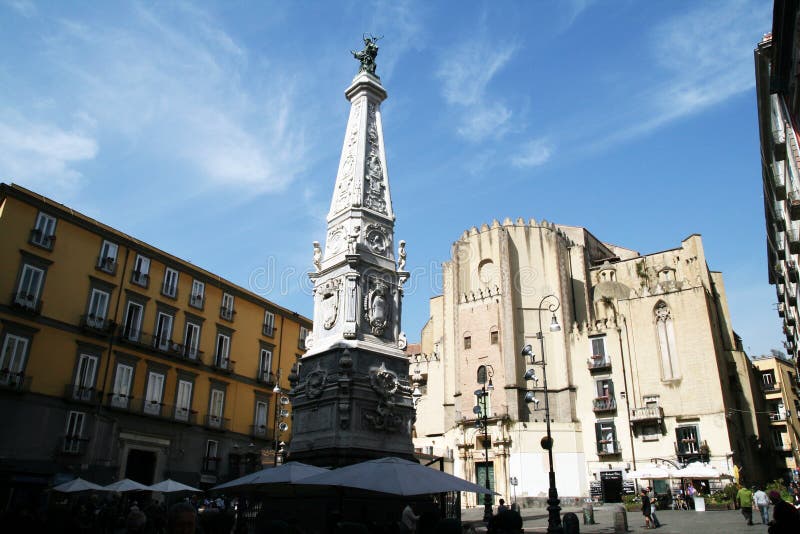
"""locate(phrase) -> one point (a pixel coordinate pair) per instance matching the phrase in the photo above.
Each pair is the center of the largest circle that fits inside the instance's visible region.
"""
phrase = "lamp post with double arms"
(553, 504)
(482, 413)
(281, 413)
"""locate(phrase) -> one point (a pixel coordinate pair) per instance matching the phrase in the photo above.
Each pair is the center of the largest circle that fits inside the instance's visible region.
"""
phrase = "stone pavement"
(672, 522)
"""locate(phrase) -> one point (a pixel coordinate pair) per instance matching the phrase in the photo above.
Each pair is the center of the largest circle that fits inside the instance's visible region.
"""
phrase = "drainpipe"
(627, 393)
(111, 334)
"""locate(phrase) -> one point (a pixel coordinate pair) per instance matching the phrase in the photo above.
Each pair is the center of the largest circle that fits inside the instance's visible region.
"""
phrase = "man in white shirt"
(761, 500)
(408, 521)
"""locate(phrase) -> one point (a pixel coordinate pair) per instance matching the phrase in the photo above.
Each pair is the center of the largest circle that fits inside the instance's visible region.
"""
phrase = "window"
(605, 395)
(154, 392)
(768, 379)
(666, 342)
(12, 360)
(197, 298)
(191, 341)
(606, 434)
(269, 324)
(141, 271)
(123, 377)
(132, 328)
(777, 439)
(264, 365)
(29, 288)
(183, 400)
(467, 342)
(494, 336)
(260, 422)
(222, 355)
(211, 459)
(216, 407)
(226, 310)
(163, 338)
(301, 342)
(73, 433)
(98, 308)
(83, 386)
(687, 438)
(599, 348)
(170, 287)
(107, 261)
(44, 232)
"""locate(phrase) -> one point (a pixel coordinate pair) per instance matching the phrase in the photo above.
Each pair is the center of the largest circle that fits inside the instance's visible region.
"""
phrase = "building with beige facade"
(646, 366)
(780, 387)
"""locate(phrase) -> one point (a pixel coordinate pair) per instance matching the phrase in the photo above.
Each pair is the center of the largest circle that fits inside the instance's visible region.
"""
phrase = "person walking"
(785, 517)
(653, 507)
(762, 502)
(646, 508)
(745, 499)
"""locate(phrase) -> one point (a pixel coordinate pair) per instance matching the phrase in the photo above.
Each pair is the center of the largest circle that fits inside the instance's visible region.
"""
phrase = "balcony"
(140, 279)
(782, 447)
(265, 377)
(599, 362)
(778, 172)
(89, 395)
(780, 244)
(260, 431)
(224, 365)
(779, 143)
(777, 417)
(604, 404)
(688, 450)
(790, 320)
(197, 301)
(26, 302)
(169, 290)
(608, 447)
(74, 445)
(794, 204)
(778, 219)
(41, 240)
(794, 240)
(770, 388)
(647, 414)
(107, 264)
(794, 274)
(182, 414)
(97, 325)
(125, 403)
(268, 330)
(15, 382)
(781, 309)
(216, 422)
(226, 313)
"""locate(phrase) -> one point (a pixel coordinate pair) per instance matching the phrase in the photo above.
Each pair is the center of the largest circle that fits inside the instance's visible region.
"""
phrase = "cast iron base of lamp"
(553, 508)
(487, 508)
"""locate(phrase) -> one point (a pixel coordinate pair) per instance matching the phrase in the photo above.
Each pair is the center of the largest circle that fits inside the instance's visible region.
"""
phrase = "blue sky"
(213, 130)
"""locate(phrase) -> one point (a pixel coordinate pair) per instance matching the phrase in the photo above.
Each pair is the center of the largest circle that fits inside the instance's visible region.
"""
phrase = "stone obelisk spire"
(351, 397)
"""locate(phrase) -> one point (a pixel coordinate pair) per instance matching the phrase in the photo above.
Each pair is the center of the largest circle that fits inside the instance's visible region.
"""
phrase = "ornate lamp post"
(553, 504)
(281, 413)
(484, 372)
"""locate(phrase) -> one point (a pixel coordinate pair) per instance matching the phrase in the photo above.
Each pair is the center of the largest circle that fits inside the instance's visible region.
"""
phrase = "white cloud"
(466, 71)
(42, 155)
(26, 8)
(534, 153)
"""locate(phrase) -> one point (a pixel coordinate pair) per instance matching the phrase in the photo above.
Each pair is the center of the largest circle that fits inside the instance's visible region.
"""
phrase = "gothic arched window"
(666, 342)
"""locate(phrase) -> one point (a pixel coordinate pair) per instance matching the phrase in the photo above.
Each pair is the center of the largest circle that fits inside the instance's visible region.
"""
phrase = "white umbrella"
(700, 470)
(394, 476)
(126, 484)
(76, 485)
(288, 473)
(653, 472)
(171, 486)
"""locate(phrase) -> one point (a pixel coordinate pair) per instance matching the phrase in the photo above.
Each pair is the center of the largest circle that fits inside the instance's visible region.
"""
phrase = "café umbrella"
(699, 470)
(394, 476)
(654, 472)
(77, 485)
(125, 485)
(288, 473)
(172, 486)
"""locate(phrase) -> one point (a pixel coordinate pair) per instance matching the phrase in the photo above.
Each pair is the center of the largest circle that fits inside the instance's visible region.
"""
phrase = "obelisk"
(351, 399)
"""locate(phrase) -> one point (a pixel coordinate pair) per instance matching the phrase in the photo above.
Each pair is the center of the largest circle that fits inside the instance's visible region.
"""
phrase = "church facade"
(645, 367)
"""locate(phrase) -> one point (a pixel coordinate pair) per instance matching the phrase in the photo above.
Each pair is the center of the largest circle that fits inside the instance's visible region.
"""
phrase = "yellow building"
(781, 390)
(118, 359)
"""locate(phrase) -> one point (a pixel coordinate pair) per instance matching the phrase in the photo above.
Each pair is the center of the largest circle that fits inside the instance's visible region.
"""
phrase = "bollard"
(571, 524)
(588, 514)
(620, 518)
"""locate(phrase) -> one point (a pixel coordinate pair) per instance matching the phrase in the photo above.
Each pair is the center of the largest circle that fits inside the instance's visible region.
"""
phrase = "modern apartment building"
(118, 359)
(778, 98)
(642, 364)
(780, 387)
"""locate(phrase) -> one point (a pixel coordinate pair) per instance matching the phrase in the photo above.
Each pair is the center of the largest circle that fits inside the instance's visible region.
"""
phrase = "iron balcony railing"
(266, 377)
(197, 301)
(226, 313)
(14, 381)
(604, 404)
(27, 302)
(268, 330)
(216, 422)
(599, 362)
(647, 413)
(79, 393)
(776, 417)
(107, 264)
(260, 431)
(100, 325)
(225, 365)
(39, 239)
(75, 445)
(210, 464)
(140, 279)
(606, 447)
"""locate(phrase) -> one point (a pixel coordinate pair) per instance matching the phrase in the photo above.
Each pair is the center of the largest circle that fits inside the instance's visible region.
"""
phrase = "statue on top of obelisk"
(368, 54)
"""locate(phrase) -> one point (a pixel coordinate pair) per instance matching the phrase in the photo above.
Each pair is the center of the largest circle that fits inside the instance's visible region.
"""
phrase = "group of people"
(649, 506)
(785, 517)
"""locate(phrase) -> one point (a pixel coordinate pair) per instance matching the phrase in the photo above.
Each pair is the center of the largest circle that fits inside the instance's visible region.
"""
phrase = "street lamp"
(553, 504)
(480, 410)
(281, 413)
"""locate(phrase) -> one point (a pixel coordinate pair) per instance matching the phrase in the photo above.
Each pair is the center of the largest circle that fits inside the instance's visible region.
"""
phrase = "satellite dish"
(283, 427)
(284, 400)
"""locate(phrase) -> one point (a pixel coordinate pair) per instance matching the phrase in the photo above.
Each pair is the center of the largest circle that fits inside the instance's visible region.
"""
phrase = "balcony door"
(122, 386)
(155, 389)
(183, 401)
(84, 377)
